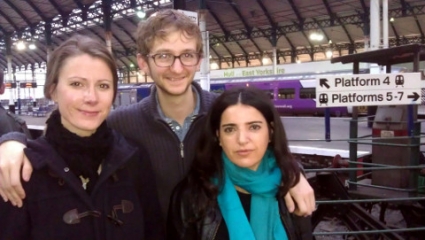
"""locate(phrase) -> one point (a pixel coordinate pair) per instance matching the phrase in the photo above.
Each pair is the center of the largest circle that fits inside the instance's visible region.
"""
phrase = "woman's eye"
(228, 130)
(104, 86)
(76, 84)
(255, 127)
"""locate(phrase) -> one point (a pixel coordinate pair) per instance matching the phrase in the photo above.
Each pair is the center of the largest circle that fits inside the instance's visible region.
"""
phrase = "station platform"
(306, 137)
(305, 134)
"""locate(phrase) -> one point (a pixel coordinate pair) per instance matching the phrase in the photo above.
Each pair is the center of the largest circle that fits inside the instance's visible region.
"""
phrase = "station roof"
(389, 56)
(240, 31)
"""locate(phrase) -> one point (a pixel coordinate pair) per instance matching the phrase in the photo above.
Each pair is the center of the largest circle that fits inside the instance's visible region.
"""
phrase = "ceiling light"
(214, 65)
(329, 53)
(265, 60)
(32, 46)
(316, 36)
(20, 45)
(141, 14)
(392, 19)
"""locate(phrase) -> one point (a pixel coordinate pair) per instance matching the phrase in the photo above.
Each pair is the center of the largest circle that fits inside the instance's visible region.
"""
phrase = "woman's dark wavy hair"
(208, 163)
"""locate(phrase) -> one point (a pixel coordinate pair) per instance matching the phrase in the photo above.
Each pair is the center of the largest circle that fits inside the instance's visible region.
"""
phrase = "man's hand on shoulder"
(12, 160)
(300, 199)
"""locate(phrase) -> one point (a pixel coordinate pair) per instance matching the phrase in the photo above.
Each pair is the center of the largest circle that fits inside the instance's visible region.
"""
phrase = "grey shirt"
(179, 130)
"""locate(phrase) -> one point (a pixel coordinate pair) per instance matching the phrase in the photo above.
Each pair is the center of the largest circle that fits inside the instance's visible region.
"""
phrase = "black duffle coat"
(123, 204)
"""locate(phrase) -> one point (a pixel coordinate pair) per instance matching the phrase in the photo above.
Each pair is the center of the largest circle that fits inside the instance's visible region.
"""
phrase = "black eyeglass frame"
(199, 55)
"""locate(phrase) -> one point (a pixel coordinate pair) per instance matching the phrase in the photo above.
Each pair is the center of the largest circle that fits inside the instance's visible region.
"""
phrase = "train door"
(125, 97)
(286, 97)
(275, 92)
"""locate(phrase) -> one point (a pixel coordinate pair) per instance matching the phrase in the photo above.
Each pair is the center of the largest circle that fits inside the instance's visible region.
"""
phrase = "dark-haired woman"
(242, 170)
(88, 181)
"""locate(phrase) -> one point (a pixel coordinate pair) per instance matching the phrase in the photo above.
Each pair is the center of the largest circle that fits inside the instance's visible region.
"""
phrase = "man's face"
(174, 80)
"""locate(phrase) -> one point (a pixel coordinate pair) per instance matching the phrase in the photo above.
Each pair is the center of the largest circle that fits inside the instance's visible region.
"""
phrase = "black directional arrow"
(324, 82)
(415, 96)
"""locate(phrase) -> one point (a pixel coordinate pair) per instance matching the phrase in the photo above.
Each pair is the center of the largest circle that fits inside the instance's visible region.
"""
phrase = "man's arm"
(300, 199)
(12, 160)
(5, 125)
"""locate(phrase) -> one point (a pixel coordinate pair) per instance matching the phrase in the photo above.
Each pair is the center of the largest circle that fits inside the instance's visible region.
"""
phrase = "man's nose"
(177, 65)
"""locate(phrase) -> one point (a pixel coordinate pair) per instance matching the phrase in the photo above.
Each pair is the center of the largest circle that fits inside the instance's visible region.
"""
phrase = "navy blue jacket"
(123, 204)
(170, 158)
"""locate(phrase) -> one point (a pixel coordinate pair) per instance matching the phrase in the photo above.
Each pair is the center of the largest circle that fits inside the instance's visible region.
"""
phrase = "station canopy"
(241, 32)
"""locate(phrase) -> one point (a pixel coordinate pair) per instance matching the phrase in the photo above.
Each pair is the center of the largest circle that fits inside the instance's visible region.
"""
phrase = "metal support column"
(107, 19)
(385, 22)
(205, 62)
(48, 37)
(353, 137)
(8, 41)
(374, 24)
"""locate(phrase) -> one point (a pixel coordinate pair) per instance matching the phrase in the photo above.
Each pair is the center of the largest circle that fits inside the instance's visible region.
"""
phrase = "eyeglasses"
(168, 59)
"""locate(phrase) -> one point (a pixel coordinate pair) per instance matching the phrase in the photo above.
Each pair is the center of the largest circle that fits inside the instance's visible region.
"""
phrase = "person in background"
(241, 171)
(88, 181)
(9, 122)
(167, 123)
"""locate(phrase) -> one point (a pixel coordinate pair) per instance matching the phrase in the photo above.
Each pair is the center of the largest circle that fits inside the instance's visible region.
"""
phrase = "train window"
(270, 93)
(286, 93)
(218, 90)
(308, 93)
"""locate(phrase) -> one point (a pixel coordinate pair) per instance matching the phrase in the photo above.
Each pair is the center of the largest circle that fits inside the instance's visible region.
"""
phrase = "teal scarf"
(265, 223)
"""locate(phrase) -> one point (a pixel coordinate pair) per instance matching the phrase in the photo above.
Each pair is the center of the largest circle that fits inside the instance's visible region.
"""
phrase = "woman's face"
(244, 135)
(84, 93)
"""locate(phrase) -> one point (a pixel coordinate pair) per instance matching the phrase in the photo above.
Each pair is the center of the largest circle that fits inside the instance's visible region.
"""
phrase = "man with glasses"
(168, 122)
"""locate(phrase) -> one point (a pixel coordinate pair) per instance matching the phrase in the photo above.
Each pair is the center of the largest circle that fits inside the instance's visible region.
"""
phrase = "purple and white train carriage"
(292, 97)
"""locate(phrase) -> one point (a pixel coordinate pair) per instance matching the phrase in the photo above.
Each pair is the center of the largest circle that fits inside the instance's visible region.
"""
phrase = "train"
(131, 93)
(290, 96)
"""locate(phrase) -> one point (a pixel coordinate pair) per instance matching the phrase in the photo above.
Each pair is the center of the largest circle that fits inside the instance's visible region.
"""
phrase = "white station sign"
(368, 89)
(190, 14)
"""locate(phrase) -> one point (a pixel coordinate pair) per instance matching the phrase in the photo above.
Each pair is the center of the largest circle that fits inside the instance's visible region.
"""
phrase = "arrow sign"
(415, 96)
(369, 89)
(324, 82)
